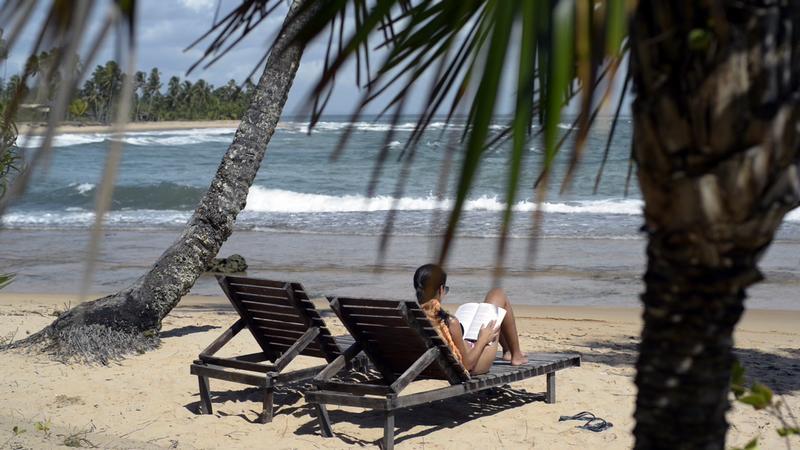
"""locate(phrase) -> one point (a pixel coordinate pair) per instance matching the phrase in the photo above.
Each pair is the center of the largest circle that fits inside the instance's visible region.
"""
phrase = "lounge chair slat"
(385, 332)
(273, 322)
(254, 299)
(263, 316)
(379, 320)
(274, 339)
(259, 291)
(350, 302)
(270, 308)
(221, 373)
(346, 399)
(236, 364)
(353, 388)
(254, 281)
(278, 292)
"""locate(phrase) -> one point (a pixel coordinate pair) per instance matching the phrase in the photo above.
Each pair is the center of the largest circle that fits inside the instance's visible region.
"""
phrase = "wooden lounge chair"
(284, 323)
(403, 346)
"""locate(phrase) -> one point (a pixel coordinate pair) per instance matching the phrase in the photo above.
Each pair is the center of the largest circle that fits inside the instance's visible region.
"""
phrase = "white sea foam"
(76, 217)
(277, 200)
(63, 140)
(151, 138)
(83, 188)
(368, 126)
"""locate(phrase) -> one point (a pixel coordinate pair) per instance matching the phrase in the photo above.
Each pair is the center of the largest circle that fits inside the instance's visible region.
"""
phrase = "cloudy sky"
(167, 27)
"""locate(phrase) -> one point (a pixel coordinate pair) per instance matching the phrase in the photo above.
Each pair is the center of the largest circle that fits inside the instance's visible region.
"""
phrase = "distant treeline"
(95, 101)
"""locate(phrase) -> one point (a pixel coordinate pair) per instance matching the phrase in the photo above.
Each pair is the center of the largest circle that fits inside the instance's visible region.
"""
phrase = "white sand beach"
(150, 400)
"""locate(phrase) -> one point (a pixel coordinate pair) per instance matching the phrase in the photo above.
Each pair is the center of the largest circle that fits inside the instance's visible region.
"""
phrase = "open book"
(474, 315)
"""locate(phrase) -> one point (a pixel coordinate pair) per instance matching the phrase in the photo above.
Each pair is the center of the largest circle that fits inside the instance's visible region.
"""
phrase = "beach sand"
(39, 128)
(150, 400)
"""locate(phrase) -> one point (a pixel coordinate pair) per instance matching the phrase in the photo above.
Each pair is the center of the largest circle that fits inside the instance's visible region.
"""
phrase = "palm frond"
(565, 48)
(63, 32)
(6, 279)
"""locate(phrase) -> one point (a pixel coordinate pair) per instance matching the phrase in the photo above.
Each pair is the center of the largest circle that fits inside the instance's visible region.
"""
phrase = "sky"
(166, 27)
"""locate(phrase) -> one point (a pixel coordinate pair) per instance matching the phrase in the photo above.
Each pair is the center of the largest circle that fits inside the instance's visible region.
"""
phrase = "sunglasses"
(446, 289)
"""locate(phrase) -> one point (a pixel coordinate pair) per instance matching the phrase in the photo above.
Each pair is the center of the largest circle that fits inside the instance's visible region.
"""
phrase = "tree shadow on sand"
(188, 329)
(432, 417)
(780, 370)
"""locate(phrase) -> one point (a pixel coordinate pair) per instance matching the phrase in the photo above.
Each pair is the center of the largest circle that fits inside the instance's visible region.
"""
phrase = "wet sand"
(566, 272)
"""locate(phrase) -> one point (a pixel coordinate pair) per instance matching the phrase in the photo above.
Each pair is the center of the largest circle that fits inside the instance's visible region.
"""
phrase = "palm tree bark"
(129, 320)
(716, 144)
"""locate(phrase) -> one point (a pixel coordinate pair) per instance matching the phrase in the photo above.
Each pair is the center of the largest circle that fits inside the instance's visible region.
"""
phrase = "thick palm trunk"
(716, 144)
(130, 319)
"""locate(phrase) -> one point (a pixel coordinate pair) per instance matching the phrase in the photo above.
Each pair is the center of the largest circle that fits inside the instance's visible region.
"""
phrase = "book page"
(476, 315)
(465, 313)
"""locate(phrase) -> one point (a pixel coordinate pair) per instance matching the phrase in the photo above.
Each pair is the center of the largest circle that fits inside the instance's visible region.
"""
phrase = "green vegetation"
(43, 426)
(761, 397)
(96, 100)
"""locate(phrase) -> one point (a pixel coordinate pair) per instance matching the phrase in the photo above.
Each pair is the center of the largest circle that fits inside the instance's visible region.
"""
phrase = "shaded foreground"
(151, 399)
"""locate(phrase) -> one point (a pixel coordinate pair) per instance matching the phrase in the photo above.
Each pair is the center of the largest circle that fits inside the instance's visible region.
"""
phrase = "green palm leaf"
(6, 279)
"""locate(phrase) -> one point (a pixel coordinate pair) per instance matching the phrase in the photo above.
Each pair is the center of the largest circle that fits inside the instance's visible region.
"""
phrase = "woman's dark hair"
(427, 281)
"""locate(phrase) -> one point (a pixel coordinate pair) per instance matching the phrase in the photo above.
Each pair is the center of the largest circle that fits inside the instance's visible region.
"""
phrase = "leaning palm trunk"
(129, 320)
(716, 143)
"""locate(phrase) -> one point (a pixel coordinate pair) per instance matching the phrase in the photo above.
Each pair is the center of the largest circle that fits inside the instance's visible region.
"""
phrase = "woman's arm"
(471, 355)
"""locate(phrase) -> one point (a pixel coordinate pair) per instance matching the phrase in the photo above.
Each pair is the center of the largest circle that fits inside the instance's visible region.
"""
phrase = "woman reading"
(430, 283)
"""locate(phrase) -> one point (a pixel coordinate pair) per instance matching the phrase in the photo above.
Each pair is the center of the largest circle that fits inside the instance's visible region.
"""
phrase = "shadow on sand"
(433, 417)
(285, 398)
(781, 372)
(189, 329)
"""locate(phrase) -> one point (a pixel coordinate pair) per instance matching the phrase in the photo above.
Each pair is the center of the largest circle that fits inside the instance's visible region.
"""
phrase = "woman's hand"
(487, 334)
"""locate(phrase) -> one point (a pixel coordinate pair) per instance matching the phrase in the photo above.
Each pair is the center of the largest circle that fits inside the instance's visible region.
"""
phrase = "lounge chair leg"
(388, 431)
(551, 388)
(205, 396)
(266, 415)
(324, 421)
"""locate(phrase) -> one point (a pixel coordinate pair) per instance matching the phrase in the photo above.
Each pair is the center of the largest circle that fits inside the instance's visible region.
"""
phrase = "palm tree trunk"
(716, 145)
(129, 320)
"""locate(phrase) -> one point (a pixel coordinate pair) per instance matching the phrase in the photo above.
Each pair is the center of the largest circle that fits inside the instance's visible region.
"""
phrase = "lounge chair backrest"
(277, 314)
(394, 334)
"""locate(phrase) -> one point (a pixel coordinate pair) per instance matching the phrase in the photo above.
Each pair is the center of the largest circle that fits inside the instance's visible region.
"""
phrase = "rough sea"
(308, 216)
(300, 189)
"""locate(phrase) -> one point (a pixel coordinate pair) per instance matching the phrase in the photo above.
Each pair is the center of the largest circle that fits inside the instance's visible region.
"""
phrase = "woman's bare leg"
(485, 360)
(509, 339)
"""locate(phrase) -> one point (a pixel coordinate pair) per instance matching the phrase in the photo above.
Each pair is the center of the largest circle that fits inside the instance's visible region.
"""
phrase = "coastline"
(35, 129)
(150, 400)
(754, 320)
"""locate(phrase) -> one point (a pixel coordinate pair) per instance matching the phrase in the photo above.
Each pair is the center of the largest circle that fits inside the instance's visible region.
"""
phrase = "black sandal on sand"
(597, 425)
(583, 415)
(593, 423)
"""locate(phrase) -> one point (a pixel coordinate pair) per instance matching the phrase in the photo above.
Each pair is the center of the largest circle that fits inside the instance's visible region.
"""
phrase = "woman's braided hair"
(427, 281)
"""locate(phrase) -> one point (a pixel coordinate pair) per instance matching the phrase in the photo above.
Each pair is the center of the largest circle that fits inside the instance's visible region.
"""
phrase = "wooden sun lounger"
(284, 323)
(403, 346)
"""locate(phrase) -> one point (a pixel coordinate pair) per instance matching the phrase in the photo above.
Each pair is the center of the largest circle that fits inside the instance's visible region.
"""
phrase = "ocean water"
(308, 218)
(300, 189)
